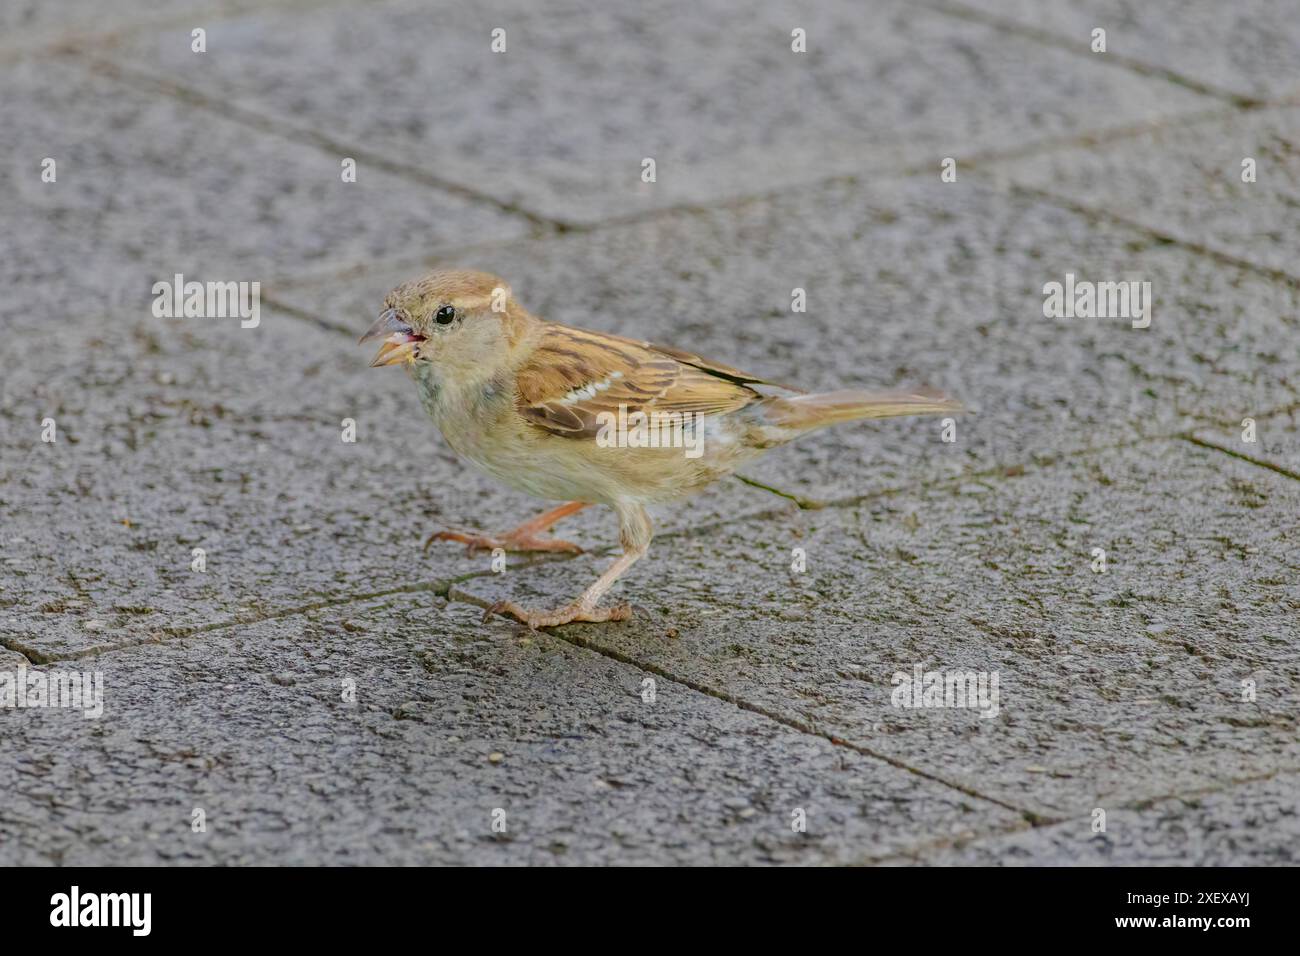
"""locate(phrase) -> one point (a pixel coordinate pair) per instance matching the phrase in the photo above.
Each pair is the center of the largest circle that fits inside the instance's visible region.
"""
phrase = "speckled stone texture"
(1110, 532)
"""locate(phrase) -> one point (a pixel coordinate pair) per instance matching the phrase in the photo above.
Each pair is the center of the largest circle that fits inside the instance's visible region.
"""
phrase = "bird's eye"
(445, 316)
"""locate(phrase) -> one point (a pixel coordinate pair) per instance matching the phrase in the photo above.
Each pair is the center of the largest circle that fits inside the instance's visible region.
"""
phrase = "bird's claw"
(575, 611)
(472, 542)
(510, 542)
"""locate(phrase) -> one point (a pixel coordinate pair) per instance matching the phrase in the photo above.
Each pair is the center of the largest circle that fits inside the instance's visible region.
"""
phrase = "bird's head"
(454, 320)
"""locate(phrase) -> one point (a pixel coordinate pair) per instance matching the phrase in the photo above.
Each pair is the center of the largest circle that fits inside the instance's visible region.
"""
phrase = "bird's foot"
(576, 611)
(513, 541)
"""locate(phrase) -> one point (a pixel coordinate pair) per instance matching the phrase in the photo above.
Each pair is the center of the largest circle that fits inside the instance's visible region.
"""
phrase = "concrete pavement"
(288, 678)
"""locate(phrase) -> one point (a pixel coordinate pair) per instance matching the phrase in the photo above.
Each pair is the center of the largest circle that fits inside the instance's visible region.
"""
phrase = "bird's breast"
(481, 423)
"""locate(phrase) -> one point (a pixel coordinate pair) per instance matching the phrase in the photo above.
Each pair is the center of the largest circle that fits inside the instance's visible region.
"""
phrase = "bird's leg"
(635, 537)
(583, 609)
(527, 537)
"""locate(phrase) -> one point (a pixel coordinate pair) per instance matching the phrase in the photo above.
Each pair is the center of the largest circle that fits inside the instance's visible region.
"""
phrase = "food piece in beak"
(400, 340)
(394, 353)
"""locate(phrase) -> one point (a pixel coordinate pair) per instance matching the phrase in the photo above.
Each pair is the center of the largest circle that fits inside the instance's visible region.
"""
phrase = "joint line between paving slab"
(545, 225)
(438, 588)
(1260, 462)
(450, 590)
(244, 116)
(790, 722)
(549, 225)
(441, 587)
(1085, 139)
(913, 854)
(1081, 48)
(28, 654)
(445, 587)
(1092, 212)
(1049, 144)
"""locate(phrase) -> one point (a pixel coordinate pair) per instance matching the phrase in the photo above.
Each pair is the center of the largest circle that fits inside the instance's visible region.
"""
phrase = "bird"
(590, 418)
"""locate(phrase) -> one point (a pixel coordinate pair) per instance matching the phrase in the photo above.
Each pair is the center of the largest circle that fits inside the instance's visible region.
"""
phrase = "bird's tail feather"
(806, 412)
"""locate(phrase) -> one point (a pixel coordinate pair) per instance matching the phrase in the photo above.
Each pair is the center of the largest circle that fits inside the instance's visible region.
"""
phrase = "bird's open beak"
(401, 342)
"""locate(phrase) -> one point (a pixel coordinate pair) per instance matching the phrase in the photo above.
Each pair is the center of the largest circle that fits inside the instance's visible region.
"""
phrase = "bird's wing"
(573, 375)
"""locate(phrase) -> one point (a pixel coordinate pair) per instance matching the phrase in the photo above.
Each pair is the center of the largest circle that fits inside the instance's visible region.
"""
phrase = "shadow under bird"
(570, 415)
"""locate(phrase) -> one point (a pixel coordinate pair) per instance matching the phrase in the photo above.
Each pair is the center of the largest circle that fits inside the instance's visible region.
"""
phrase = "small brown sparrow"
(588, 417)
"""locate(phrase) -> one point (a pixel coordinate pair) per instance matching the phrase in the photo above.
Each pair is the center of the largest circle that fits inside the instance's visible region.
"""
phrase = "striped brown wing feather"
(573, 375)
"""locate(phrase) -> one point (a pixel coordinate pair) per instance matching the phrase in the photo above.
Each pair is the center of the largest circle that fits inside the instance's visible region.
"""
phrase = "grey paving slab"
(54, 275)
(229, 439)
(1163, 691)
(178, 435)
(26, 26)
(449, 724)
(60, 287)
(1248, 47)
(561, 121)
(1115, 687)
(911, 282)
(1254, 824)
(192, 192)
(1186, 181)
